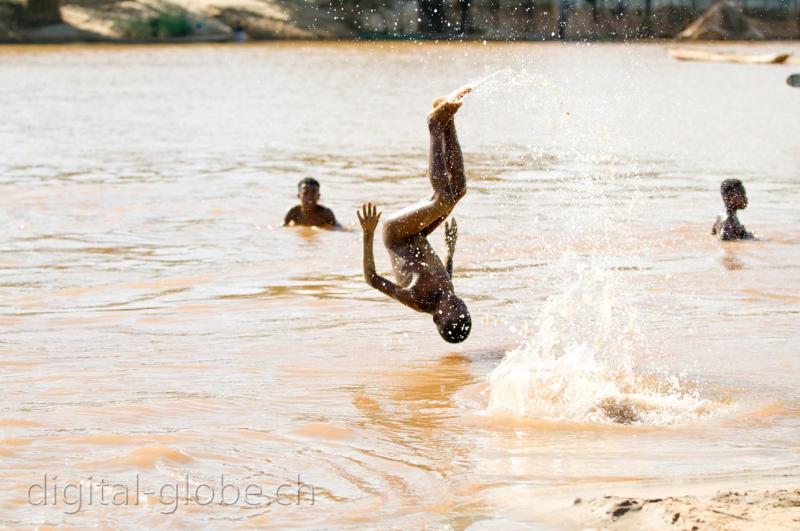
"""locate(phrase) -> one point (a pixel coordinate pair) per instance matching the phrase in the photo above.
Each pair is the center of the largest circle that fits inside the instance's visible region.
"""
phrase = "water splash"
(503, 72)
(579, 365)
(502, 84)
(584, 362)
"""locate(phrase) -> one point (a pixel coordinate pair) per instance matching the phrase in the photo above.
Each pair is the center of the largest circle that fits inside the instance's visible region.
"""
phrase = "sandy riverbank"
(220, 20)
(779, 509)
(759, 502)
(177, 21)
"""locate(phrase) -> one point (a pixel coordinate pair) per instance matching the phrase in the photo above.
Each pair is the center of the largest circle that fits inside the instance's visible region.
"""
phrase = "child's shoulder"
(326, 212)
(293, 214)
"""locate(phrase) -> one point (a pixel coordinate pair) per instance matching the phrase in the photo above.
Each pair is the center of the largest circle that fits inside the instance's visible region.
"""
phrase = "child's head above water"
(733, 194)
(452, 319)
(309, 212)
(308, 192)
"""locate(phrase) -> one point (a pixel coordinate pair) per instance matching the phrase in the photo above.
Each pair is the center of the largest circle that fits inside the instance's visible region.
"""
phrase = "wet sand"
(743, 509)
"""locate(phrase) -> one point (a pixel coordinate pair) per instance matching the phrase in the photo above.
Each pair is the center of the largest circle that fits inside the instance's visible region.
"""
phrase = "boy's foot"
(443, 113)
(444, 108)
(459, 94)
(455, 96)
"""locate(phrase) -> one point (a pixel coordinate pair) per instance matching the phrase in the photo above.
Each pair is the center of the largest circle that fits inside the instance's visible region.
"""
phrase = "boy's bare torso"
(320, 216)
(730, 228)
(419, 270)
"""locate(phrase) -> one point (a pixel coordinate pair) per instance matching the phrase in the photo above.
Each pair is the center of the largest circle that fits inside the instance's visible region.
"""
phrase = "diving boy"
(309, 212)
(735, 198)
(424, 283)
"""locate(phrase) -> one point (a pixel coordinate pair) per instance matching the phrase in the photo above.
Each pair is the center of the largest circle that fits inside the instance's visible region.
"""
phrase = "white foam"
(579, 365)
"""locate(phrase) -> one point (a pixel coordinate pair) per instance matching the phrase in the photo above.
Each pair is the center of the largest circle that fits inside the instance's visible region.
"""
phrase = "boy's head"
(733, 194)
(308, 192)
(452, 319)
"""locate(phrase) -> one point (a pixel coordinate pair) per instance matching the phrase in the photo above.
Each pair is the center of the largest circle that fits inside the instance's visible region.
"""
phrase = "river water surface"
(161, 330)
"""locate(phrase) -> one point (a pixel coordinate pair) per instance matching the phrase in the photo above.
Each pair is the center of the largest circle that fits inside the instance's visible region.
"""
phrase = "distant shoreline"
(193, 21)
(186, 42)
(367, 41)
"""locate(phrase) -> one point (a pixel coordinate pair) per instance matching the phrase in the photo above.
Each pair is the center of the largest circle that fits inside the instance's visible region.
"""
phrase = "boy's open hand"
(368, 217)
(451, 235)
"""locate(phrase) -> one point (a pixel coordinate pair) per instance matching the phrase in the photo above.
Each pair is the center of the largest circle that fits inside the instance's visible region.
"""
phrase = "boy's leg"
(418, 217)
(454, 161)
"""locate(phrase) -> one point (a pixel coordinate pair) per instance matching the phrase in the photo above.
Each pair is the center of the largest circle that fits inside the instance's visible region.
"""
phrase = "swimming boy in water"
(309, 212)
(735, 198)
(424, 283)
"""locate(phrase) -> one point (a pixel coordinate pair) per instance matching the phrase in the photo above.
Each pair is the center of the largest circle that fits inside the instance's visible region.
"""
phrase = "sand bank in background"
(180, 21)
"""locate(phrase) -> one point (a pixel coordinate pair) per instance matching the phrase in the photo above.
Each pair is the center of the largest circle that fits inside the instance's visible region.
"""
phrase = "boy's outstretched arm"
(368, 217)
(450, 237)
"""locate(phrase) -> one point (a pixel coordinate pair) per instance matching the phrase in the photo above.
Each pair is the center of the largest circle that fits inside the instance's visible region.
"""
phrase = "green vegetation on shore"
(171, 22)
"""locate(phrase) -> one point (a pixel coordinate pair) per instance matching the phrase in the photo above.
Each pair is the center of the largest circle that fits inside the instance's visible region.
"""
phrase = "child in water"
(424, 283)
(735, 198)
(309, 212)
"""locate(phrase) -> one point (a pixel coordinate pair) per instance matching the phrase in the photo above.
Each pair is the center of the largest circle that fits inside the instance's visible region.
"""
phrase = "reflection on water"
(731, 261)
(158, 320)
